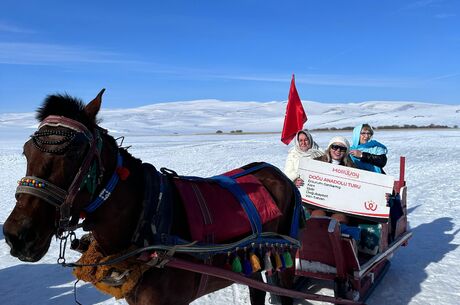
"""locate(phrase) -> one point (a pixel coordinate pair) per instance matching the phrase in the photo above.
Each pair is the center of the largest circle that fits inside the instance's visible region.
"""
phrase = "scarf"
(372, 147)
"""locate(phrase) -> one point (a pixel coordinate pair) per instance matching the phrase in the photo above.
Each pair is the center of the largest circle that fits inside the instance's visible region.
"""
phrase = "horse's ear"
(93, 107)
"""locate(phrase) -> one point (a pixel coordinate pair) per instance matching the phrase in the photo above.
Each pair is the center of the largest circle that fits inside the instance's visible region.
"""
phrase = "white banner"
(345, 189)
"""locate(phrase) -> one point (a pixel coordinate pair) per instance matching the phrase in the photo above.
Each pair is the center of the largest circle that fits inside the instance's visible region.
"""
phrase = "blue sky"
(158, 51)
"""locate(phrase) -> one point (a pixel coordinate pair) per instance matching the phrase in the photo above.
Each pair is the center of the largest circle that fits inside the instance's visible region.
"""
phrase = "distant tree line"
(405, 126)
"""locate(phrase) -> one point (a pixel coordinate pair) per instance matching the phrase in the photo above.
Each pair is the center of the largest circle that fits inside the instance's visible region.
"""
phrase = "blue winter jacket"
(374, 153)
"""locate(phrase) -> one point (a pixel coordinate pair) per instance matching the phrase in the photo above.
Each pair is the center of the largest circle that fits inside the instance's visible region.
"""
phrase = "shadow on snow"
(48, 284)
(429, 244)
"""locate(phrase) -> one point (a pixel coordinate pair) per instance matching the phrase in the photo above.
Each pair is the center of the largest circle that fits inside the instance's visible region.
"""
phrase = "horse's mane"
(64, 105)
(73, 108)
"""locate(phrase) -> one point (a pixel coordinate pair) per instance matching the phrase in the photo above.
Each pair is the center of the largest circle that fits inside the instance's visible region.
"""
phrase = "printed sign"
(345, 189)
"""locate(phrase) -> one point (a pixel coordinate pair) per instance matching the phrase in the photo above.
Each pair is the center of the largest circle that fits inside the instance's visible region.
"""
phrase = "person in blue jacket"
(371, 155)
(366, 153)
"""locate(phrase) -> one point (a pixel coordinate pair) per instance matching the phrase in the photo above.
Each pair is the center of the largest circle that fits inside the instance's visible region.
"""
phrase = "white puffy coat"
(291, 168)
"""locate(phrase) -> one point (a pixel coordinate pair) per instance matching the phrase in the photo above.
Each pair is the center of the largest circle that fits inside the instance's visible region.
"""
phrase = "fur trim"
(96, 275)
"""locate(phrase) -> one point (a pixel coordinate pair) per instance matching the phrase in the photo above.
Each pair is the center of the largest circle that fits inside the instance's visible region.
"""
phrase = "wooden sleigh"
(329, 255)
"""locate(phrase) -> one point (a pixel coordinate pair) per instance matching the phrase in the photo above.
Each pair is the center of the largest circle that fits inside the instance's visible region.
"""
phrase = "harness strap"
(56, 121)
(298, 198)
(240, 279)
(248, 206)
(45, 190)
(107, 191)
(251, 170)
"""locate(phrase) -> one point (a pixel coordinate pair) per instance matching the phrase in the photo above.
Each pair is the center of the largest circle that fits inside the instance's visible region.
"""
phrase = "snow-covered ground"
(425, 272)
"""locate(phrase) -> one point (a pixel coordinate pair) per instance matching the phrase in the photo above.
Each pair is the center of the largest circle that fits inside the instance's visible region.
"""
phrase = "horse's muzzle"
(24, 243)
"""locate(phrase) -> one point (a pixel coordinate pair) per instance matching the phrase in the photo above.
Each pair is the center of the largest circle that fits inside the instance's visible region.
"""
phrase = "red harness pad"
(214, 214)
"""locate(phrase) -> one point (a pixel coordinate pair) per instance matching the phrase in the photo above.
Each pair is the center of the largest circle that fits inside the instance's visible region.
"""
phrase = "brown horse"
(70, 146)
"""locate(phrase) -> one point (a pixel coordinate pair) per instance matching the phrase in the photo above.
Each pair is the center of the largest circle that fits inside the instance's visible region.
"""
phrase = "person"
(367, 153)
(336, 153)
(304, 147)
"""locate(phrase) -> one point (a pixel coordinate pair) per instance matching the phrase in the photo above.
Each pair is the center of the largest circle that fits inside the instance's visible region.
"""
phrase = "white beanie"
(340, 140)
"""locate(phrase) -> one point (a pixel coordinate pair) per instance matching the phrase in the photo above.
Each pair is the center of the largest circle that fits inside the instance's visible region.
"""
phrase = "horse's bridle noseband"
(56, 196)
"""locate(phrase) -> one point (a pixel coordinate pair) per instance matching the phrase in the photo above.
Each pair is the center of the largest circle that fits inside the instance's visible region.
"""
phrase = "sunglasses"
(338, 147)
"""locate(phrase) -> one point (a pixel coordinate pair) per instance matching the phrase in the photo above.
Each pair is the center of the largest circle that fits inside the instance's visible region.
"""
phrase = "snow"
(181, 136)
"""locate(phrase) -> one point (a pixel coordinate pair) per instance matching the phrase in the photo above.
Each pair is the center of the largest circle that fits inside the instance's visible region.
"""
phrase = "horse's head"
(58, 154)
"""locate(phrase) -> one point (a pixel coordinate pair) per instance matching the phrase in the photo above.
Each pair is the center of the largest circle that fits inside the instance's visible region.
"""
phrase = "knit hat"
(340, 140)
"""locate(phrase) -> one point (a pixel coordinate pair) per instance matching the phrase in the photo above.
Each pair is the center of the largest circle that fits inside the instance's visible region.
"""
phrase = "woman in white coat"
(304, 147)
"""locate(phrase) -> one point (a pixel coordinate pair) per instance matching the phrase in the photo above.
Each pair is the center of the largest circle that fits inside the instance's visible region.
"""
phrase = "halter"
(63, 200)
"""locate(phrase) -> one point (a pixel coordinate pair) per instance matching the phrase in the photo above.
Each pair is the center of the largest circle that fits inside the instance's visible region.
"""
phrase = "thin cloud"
(49, 54)
(9, 28)
(444, 16)
(330, 80)
(446, 76)
(421, 4)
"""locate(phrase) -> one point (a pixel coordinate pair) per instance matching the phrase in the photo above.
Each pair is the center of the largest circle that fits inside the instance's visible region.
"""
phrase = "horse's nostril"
(13, 242)
(18, 240)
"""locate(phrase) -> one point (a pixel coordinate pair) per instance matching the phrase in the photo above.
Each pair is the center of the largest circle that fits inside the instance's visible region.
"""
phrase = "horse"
(70, 151)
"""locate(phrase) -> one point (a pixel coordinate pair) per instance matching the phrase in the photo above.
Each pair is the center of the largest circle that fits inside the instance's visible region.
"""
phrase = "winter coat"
(374, 153)
(291, 168)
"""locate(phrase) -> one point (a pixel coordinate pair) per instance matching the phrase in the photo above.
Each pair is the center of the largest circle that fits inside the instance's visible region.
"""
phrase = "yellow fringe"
(278, 263)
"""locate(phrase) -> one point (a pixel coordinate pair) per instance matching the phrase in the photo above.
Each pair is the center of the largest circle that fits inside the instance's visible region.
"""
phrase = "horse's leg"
(162, 287)
(287, 281)
(257, 296)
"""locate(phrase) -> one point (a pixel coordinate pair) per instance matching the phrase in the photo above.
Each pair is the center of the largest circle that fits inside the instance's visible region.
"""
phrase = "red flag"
(295, 115)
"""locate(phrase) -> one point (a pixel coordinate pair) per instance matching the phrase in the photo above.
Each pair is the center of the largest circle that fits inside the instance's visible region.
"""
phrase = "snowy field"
(425, 272)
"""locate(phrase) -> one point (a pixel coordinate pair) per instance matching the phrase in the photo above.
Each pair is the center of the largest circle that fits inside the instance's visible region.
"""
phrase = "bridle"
(62, 199)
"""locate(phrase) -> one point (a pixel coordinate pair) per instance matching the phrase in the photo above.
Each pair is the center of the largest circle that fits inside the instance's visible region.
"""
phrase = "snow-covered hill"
(208, 116)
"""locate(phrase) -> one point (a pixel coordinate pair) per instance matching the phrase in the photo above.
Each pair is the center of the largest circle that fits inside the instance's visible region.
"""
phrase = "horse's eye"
(79, 140)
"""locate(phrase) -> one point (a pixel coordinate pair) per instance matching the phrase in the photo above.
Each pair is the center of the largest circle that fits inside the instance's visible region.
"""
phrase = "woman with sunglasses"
(366, 153)
(336, 153)
(304, 147)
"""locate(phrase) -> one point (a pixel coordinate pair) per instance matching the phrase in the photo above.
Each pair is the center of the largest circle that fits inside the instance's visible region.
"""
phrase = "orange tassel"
(255, 262)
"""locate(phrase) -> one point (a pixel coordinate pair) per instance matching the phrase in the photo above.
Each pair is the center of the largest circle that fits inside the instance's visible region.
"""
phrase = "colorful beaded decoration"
(31, 183)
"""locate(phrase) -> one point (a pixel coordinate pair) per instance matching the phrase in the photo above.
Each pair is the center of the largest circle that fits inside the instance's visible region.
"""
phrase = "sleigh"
(353, 269)
(327, 255)
(329, 258)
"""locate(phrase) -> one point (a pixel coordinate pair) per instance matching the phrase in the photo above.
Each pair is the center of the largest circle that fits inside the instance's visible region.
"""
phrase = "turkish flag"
(295, 115)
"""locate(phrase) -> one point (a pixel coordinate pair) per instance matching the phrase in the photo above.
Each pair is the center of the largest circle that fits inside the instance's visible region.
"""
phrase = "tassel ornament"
(255, 262)
(247, 269)
(283, 263)
(278, 263)
(227, 265)
(236, 265)
(288, 259)
(268, 263)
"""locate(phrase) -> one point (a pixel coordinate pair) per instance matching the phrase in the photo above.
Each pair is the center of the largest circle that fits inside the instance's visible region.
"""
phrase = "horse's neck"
(113, 224)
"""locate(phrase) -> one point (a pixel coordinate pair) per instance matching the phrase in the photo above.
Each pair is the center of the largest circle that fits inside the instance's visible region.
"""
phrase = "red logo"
(370, 205)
